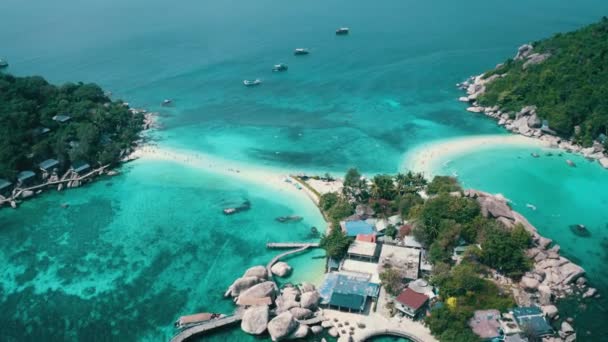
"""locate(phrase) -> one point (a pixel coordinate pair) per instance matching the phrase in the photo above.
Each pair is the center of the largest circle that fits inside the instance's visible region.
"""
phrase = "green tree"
(390, 231)
(355, 186)
(340, 210)
(328, 200)
(391, 281)
(443, 184)
(382, 187)
(335, 242)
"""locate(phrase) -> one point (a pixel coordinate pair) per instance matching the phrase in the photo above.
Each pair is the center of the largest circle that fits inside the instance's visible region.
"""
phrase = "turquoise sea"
(133, 253)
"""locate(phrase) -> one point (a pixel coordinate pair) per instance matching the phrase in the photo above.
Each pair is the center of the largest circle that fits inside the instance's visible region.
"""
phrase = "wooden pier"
(285, 245)
(208, 326)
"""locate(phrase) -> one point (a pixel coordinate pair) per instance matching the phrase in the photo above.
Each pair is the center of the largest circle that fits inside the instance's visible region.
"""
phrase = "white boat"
(301, 51)
(280, 67)
(167, 102)
(342, 31)
(3, 63)
(249, 83)
(531, 206)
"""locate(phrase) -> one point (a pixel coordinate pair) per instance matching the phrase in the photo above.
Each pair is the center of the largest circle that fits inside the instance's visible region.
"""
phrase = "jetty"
(208, 326)
(285, 245)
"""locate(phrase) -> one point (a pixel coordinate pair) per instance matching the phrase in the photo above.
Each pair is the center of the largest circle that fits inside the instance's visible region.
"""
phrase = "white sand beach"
(428, 158)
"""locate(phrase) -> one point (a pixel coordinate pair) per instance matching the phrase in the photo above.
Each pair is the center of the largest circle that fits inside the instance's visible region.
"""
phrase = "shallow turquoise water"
(361, 100)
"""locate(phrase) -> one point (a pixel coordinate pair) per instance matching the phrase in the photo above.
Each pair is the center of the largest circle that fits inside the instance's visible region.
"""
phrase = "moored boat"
(3, 63)
(250, 83)
(342, 31)
(580, 230)
(284, 219)
(300, 51)
(570, 162)
(167, 102)
(191, 320)
(233, 210)
(280, 67)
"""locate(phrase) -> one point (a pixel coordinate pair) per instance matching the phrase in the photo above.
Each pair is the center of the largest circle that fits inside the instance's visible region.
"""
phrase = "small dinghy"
(167, 102)
(531, 206)
(342, 31)
(279, 67)
(570, 162)
(196, 319)
(251, 83)
(3, 63)
(245, 206)
(300, 51)
(535, 155)
(580, 230)
(286, 219)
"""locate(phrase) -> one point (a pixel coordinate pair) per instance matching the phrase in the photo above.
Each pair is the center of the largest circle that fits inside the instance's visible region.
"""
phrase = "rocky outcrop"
(310, 300)
(261, 290)
(306, 287)
(255, 320)
(300, 313)
(300, 332)
(495, 207)
(256, 271)
(282, 326)
(280, 269)
(240, 285)
(549, 310)
(536, 58)
(316, 329)
(523, 52)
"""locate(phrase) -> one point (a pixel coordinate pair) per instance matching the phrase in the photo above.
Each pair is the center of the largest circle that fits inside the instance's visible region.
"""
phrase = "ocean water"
(125, 260)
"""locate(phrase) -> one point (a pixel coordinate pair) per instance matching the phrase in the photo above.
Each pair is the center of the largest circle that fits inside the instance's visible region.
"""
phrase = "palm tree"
(401, 181)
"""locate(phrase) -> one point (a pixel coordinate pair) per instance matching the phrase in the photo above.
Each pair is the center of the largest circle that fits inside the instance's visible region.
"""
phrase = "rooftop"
(48, 164)
(61, 118)
(354, 228)
(357, 266)
(350, 301)
(410, 241)
(405, 259)
(422, 286)
(4, 184)
(534, 318)
(362, 248)
(366, 237)
(412, 299)
(485, 323)
(25, 175)
(347, 284)
(80, 166)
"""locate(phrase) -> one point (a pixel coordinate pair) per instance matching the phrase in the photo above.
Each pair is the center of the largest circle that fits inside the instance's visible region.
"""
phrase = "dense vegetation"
(99, 129)
(570, 88)
(442, 222)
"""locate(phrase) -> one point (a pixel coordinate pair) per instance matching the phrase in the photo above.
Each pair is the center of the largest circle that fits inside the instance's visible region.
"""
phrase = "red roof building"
(411, 302)
(366, 237)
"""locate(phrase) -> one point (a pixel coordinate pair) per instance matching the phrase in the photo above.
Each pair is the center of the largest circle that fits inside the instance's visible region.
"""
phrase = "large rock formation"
(255, 320)
(280, 269)
(310, 300)
(281, 326)
(261, 290)
(240, 285)
(300, 332)
(300, 313)
(256, 271)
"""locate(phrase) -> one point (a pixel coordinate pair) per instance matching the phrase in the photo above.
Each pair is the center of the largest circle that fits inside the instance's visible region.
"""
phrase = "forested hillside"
(569, 87)
(70, 123)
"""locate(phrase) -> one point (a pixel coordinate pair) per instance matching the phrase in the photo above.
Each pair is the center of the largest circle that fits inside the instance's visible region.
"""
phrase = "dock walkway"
(284, 245)
(207, 326)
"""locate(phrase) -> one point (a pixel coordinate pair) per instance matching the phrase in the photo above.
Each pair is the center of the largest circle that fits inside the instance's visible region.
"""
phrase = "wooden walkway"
(207, 326)
(282, 255)
(284, 245)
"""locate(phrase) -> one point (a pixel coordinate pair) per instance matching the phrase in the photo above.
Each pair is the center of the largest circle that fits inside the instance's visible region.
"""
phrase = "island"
(60, 136)
(553, 89)
(424, 260)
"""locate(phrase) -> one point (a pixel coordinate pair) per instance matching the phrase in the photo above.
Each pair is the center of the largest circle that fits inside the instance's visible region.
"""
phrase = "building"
(25, 177)
(411, 242)
(362, 268)
(48, 165)
(486, 324)
(333, 264)
(61, 118)
(81, 167)
(354, 228)
(348, 292)
(366, 237)
(532, 317)
(411, 303)
(422, 286)
(363, 250)
(5, 186)
(405, 260)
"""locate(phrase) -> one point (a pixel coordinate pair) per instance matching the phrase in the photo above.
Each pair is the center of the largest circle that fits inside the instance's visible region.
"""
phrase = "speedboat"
(3, 63)
(280, 67)
(342, 31)
(300, 51)
(167, 102)
(249, 83)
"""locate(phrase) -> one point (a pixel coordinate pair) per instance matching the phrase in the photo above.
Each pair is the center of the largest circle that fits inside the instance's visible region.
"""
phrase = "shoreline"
(427, 158)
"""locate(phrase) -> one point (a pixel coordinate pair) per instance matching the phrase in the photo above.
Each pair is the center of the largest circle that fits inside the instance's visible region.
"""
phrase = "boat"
(531, 206)
(250, 83)
(280, 67)
(196, 319)
(342, 31)
(298, 186)
(233, 210)
(580, 230)
(570, 162)
(285, 219)
(3, 63)
(167, 102)
(300, 51)
(535, 155)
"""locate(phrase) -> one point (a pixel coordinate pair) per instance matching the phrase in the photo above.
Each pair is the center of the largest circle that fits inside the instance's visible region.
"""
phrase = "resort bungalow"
(25, 177)
(5, 186)
(486, 324)
(366, 237)
(61, 118)
(80, 167)
(362, 250)
(40, 131)
(354, 228)
(49, 165)
(333, 264)
(534, 319)
(405, 260)
(411, 303)
(347, 292)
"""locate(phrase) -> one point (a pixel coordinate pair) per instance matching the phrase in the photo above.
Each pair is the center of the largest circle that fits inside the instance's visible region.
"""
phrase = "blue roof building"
(25, 176)
(346, 291)
(49, 164)
(354, 228)
(4, 185)
(534, 318)
(80, 167)
(62, 118)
